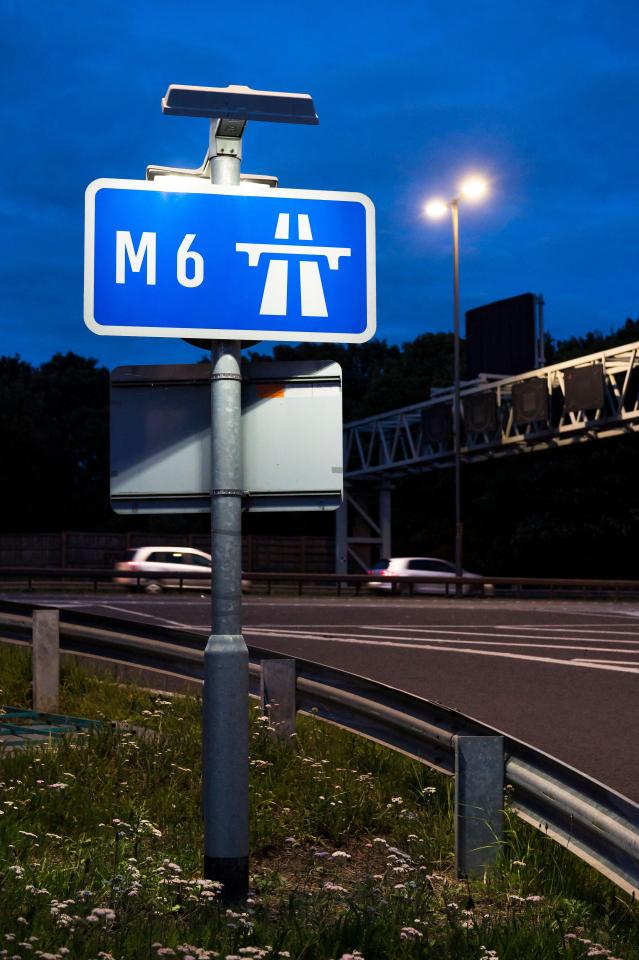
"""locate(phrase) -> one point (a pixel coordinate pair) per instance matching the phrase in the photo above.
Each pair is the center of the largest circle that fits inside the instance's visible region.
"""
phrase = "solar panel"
(239, 103)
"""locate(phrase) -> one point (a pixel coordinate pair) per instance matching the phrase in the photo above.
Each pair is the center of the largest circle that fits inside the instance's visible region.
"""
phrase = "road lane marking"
(141, 613)
(453, 631)
(401, 645)
(291, 632)
(588, 660)
(134, 604)
(446, 626)
(610, 628)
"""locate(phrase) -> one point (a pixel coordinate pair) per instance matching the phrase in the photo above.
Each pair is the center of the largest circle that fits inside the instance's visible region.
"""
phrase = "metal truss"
(397, 443)
(363, 529)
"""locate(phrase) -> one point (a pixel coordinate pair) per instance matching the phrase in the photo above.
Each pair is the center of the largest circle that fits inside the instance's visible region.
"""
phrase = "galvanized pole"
(225, 705)
(454, 210)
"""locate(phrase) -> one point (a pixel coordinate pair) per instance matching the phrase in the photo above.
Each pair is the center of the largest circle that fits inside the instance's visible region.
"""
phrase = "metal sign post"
(225, 699)
(221, 262)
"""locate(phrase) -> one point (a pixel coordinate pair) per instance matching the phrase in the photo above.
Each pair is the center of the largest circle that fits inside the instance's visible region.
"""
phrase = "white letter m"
(146, 248)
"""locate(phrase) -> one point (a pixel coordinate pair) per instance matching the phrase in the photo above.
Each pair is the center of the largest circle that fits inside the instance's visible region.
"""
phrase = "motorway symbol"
(222, 262)
(275, 297)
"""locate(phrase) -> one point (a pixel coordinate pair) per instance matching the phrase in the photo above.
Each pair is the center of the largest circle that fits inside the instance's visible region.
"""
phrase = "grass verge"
(351, 851)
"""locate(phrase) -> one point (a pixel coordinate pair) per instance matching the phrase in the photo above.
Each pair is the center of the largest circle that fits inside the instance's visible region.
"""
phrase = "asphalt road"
(563, 676)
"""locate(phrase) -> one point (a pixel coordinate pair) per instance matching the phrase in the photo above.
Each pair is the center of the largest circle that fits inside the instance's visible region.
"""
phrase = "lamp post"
(473, 188)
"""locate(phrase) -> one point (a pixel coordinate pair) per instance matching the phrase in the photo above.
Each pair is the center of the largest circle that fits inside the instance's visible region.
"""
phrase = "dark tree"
(564, 512)
(54, 423)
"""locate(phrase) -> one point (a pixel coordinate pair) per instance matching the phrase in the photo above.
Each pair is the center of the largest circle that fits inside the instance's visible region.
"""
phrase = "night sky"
(541, 97)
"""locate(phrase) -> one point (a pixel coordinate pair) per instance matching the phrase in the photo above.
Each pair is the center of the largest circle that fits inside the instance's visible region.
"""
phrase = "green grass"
(351, 850)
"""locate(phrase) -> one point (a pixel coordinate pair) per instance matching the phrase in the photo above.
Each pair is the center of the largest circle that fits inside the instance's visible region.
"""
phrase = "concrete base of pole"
(232, 872)
(46, 660)
(225, 718)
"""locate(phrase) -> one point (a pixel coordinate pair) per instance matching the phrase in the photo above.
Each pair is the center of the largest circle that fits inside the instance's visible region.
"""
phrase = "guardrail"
(352, 582)
(593, 821)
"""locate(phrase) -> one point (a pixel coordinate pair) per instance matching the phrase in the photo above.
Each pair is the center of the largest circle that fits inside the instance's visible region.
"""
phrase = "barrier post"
(277, 696)
(479, 803)
(46, 660)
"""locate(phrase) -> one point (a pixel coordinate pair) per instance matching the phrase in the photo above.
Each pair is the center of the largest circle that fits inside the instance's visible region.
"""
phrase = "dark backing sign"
(584, 388)
(500, 337)
(480, 413)
(530, 400)
(437, 423)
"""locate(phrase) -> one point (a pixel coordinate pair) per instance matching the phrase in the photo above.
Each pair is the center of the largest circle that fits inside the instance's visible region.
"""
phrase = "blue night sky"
(540, 96)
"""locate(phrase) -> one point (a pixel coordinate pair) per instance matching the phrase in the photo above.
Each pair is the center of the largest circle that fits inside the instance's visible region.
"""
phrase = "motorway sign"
(161, 437)
(240, 263)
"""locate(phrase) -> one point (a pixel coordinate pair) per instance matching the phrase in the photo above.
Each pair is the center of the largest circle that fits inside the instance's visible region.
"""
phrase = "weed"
(352, 850)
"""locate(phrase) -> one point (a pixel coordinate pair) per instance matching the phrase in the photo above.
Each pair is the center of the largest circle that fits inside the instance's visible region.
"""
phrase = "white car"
(175, 560)
(410, 567)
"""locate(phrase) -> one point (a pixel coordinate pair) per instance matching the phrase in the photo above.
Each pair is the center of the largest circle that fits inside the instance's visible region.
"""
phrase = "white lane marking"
(452, 626)
(290, 631)
(134, 604)
(397, 644)
(603, 666)
(434, 606)
(67, 603)
(130, 603)
(611, 628)
(455, 632)
(151, 616)
(103, 605)
(448, 626)
(588, 660)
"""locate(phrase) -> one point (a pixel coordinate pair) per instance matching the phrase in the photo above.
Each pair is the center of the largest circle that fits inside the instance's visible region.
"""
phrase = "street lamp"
(473, 188)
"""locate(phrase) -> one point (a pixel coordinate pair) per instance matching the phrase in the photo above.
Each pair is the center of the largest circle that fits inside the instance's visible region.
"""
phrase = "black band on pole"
(232, 872)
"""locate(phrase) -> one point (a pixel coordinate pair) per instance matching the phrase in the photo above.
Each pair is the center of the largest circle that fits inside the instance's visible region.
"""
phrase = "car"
(410, 567)
(154, 560)
(150, 561)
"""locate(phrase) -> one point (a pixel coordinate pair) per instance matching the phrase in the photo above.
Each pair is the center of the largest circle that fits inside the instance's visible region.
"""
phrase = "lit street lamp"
(472, 189)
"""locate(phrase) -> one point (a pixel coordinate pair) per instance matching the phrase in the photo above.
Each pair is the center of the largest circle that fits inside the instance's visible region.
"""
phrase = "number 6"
(183, 256)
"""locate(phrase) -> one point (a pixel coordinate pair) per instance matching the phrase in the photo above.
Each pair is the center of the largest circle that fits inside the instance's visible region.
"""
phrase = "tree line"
(571, 512)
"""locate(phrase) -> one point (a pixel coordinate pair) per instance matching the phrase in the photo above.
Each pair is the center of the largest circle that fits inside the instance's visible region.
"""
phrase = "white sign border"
(198, 333)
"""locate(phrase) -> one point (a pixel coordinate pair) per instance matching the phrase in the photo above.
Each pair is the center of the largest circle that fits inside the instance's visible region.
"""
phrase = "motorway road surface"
(563, 676)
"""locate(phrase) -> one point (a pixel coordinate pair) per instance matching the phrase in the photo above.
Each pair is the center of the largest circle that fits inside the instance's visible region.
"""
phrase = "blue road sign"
(211, 262)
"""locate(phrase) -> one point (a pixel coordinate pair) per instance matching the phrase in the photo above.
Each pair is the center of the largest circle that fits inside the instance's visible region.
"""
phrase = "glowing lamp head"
(474, 188)
(435, 209)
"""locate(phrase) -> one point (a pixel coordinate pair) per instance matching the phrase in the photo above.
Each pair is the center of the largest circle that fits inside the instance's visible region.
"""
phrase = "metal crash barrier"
(596, 823)
(46, 578)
